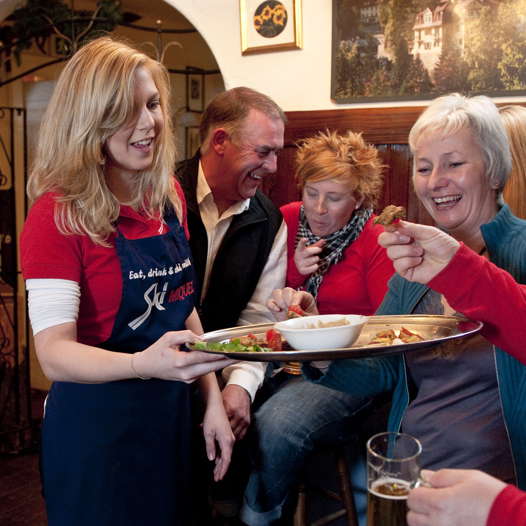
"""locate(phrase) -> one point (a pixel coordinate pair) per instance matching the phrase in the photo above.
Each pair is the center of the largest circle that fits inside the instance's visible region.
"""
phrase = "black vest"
(240, 259)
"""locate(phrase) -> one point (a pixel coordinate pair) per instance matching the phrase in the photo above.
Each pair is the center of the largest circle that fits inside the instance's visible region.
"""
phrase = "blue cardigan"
(505, 239)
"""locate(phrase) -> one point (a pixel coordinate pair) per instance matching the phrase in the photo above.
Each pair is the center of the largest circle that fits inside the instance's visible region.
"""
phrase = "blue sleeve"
(391, 303)
(361, 377)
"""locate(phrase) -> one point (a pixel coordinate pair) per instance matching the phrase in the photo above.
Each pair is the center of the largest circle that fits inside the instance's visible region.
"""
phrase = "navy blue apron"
(117, 453)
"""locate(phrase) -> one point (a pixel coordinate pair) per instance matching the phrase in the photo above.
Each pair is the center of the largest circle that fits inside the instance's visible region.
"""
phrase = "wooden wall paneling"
(398, 186)
(281, 186)
(379, 125)
(395, 157)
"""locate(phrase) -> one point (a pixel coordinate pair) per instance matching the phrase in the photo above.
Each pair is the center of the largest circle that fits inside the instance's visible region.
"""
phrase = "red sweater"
(46, 253)
(509, 508)
(495, 298)
(355, 285)
(489, 294)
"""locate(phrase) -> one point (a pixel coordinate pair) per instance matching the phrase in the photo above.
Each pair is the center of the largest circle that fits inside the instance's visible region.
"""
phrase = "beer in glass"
(392, 470)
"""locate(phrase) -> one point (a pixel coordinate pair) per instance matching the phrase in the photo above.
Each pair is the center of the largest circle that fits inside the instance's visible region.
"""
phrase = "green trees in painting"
(383, 49)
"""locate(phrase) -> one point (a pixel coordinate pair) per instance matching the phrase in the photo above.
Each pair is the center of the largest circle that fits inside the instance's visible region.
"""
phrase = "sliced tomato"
(295, 311)
(273, 338)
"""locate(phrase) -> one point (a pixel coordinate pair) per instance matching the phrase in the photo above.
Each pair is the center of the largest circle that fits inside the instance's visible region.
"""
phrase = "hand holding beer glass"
(393, 469)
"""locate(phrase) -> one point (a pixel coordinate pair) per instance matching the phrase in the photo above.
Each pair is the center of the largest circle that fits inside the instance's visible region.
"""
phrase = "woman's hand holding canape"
(419, 252)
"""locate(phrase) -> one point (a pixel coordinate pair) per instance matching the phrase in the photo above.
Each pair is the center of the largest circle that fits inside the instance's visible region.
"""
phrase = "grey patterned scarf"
(335, 244)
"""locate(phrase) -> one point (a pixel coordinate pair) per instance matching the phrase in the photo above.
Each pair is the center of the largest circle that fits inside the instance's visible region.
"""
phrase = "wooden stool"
(344, 496)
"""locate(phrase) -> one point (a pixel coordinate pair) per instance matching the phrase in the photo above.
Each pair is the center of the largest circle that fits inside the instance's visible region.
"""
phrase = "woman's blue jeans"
(300, 417)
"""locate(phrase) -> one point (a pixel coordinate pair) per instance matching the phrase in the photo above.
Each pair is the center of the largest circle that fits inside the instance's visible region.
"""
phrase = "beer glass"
(392, 470)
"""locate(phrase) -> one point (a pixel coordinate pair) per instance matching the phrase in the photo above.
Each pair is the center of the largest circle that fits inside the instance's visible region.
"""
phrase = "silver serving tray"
(435, 330)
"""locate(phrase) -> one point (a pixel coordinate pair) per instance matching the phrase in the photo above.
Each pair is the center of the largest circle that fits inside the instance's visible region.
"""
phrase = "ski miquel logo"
(156, 300)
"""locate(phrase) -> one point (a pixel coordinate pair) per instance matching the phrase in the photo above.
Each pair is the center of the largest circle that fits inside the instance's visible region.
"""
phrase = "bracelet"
(137, 375)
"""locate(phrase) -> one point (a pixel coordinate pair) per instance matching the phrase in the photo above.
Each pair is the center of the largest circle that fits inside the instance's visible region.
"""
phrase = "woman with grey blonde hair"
(110, 291)
(449, 114)
(465, 402)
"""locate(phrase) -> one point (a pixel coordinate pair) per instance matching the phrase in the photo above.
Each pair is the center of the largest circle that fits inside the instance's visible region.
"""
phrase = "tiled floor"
(21, 503)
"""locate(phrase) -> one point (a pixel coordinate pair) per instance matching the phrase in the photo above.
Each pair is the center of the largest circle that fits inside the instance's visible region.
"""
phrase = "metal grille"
(16, 431)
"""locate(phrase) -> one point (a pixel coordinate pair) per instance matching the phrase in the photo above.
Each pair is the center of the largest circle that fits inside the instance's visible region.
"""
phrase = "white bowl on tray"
(310, 332)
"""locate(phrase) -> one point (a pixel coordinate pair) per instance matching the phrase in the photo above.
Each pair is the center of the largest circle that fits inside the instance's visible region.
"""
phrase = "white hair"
(451, 113)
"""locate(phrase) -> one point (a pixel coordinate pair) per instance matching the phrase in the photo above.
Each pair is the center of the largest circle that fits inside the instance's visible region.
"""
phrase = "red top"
(355, 285)
(509, 508)
(478, 299)
(46, 253)
(503, 326)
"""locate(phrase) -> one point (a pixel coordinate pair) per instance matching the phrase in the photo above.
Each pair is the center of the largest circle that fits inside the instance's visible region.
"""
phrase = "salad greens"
(234, 345)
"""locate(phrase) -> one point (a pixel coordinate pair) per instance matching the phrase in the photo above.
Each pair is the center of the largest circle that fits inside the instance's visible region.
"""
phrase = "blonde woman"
(514, 119)
(110, 284)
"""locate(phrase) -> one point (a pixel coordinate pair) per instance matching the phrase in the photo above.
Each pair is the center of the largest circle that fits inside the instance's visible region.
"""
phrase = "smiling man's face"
(250, 156)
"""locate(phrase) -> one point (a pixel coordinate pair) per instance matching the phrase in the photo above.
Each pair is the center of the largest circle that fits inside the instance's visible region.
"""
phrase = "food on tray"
(295, 311)
(274, 340)
(234, 345)
(385, 337)
(392, 337)
(408, 336)
(271, 341)
(390, 214)
(318, 324)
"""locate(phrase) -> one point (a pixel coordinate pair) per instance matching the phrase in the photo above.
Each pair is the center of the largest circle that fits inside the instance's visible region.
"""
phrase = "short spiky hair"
(346, 158)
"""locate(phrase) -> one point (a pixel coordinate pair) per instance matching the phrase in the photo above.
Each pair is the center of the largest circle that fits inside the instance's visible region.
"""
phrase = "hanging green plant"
(38, 20)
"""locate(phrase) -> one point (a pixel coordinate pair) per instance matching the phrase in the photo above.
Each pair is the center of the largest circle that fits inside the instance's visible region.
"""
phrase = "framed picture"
(270, 25)
(195, 92)
(385, 51)
(192, 141)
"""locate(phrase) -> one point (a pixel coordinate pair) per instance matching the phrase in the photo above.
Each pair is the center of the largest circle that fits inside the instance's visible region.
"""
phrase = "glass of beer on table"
(392, 470)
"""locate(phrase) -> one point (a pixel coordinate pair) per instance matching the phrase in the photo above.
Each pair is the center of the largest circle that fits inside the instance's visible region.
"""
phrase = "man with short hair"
(237, 235)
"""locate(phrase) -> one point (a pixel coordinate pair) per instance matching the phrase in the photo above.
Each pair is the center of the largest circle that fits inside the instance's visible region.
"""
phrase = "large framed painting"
(418, 49)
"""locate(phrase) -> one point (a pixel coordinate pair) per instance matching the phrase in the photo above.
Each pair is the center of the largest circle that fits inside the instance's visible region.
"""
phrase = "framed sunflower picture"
(270, 25)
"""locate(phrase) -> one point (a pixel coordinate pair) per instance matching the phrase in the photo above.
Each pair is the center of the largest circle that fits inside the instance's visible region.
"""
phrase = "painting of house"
(418, 49)
(428, 35)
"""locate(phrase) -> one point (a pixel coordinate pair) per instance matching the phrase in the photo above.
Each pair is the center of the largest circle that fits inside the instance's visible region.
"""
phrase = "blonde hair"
(449, 114)
(93, 99)
(514, 119)
(345, 158)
